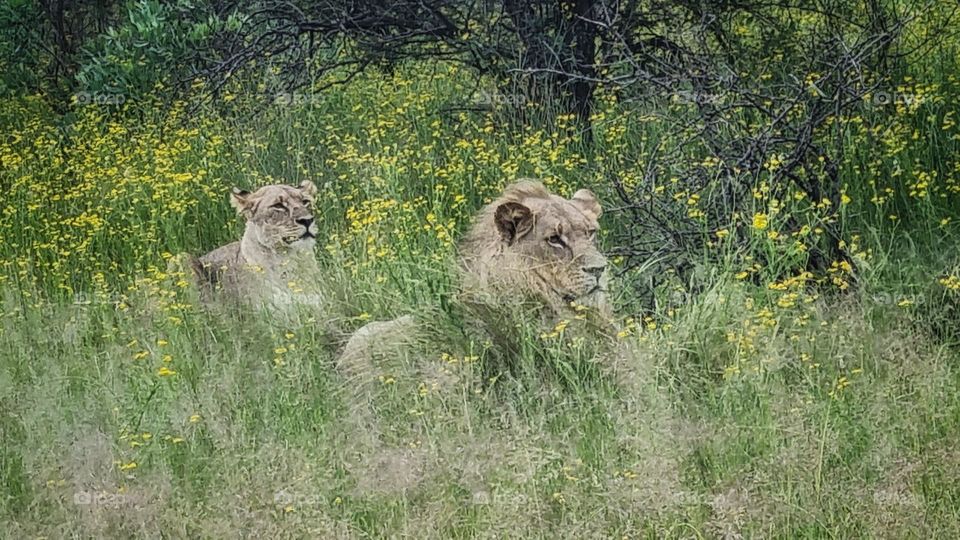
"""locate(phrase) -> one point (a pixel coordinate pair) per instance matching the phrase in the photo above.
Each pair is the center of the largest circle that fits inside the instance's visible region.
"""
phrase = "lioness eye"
(592, 234)
(278, 205)
(555, 241)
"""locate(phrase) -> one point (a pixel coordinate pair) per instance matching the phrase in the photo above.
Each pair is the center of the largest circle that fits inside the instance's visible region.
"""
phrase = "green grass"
(655, 442)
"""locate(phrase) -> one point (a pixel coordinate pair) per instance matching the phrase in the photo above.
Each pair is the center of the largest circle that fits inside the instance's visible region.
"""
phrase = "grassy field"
(740, 400)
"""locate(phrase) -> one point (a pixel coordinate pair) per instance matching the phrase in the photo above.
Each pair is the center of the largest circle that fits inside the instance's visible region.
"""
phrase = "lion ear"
(240, 200)
(513, 220)
(309, 189)
(587, 202)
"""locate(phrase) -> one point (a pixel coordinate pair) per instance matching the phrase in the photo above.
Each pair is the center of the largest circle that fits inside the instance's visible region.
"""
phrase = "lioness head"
(279, 216)
(532, 240)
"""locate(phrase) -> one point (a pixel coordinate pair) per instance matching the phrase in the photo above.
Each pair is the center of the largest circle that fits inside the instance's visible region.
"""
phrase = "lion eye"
(279, 206)
(592, 234)
(556, 241)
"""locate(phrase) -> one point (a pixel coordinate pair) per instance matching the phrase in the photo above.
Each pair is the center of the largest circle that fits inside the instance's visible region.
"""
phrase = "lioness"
(274, 259)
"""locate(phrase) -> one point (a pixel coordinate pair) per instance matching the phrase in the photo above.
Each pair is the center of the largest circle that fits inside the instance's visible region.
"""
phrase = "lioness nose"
(595, 271)
(306, 222)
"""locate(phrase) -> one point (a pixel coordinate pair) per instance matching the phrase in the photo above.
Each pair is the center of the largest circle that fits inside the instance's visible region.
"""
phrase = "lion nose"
(595, 271)
(306, 222)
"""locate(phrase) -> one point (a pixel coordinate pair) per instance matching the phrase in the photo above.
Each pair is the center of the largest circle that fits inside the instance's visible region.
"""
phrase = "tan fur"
(274, 259)
(530, 242)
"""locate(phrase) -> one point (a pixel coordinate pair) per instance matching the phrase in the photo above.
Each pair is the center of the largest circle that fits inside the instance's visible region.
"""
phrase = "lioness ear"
(308, 189)
(587, 202)
(513, 220)
(240, 200)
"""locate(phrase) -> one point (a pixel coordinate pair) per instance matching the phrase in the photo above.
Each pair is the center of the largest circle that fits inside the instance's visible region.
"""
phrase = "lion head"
(530, 241)
(279, 217)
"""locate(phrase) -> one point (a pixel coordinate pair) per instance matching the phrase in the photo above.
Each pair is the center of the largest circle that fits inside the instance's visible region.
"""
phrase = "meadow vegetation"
(749, 395)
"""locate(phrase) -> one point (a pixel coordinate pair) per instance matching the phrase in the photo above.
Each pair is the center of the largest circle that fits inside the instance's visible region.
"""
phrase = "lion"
(274, 259)
(527, 246)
